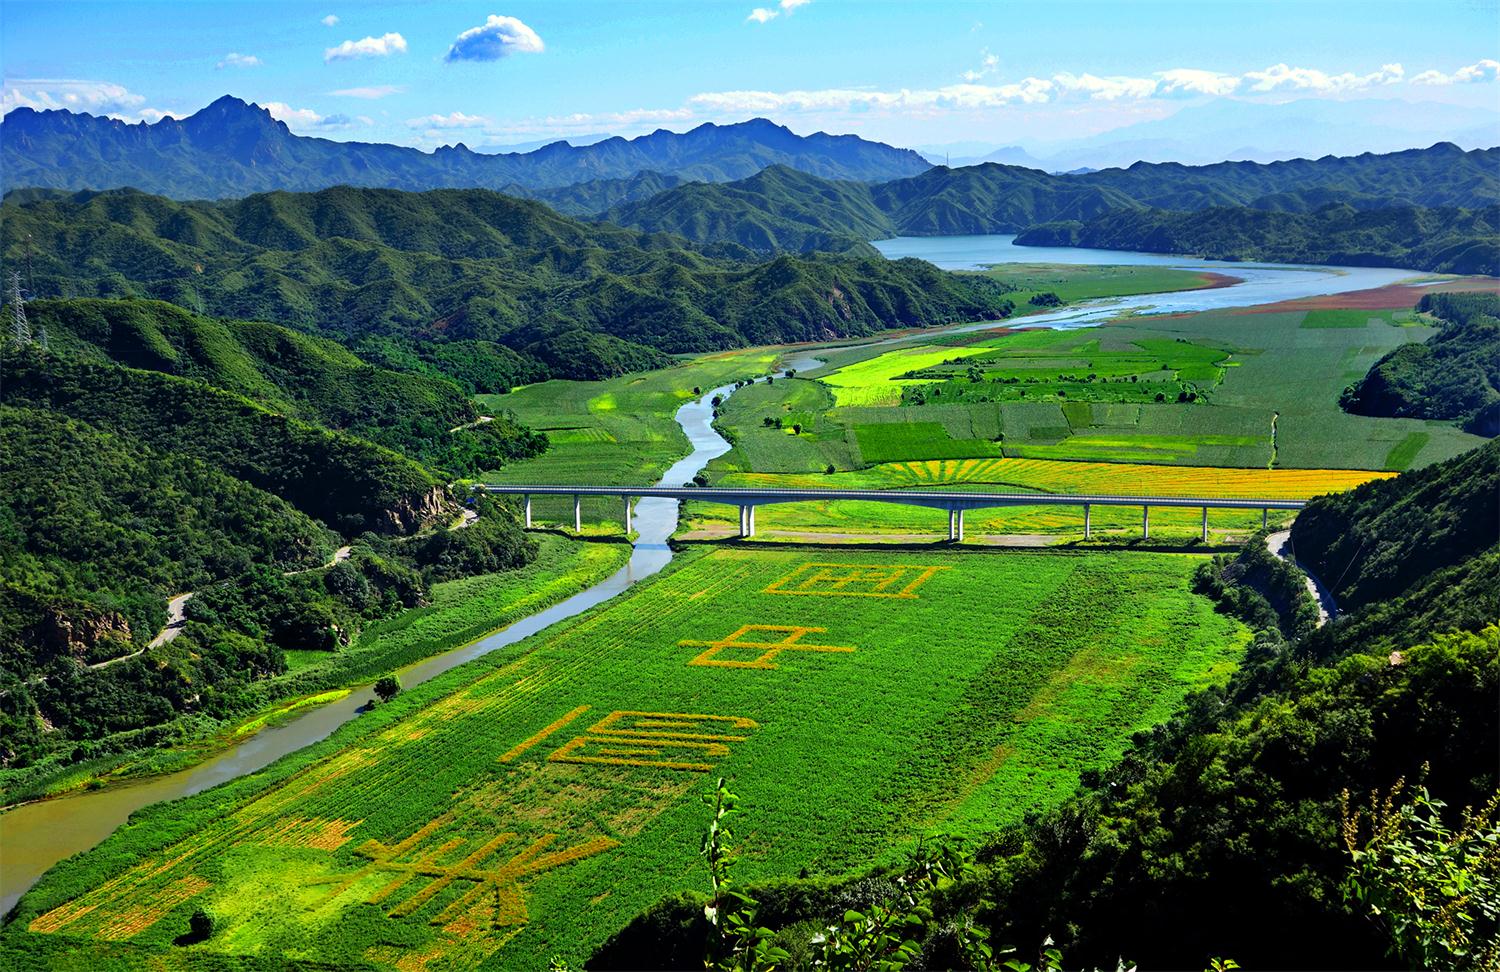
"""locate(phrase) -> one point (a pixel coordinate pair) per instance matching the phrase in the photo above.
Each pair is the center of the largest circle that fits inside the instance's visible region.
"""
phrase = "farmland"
(606, 433)
(535, 800)
(1092, 394)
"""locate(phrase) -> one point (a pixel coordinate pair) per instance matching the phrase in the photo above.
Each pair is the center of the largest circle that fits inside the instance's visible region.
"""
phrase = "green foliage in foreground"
(1441, 240)
(1454, 375)
(1435, 888)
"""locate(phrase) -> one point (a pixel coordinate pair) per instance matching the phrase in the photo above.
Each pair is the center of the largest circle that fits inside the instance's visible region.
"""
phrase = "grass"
(799, 520)
(1357, 318)
(614, 432)
(530, 803)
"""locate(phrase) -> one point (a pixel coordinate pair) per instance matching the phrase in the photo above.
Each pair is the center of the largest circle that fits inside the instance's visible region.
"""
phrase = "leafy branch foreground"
(897, 929)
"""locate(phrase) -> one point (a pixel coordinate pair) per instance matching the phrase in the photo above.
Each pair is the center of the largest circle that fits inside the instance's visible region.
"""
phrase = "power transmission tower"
(20, 328)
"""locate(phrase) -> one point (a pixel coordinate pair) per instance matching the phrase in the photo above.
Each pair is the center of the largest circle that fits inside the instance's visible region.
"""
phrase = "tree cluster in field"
(1455, 375)
(1442, 240)
(396, 270)
(1242, 813)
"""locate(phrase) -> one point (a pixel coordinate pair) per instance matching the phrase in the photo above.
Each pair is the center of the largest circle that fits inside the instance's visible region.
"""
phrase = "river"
(35, 836)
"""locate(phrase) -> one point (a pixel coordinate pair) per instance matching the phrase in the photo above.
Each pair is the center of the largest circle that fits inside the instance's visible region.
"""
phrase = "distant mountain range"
(1239, 130)
(232, 148)
(779, 208)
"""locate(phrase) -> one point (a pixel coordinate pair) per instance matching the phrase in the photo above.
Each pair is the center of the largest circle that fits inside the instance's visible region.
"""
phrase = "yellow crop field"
(852, 519)
(878, 380)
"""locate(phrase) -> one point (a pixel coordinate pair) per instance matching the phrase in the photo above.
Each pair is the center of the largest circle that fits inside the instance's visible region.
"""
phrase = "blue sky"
(911, 73)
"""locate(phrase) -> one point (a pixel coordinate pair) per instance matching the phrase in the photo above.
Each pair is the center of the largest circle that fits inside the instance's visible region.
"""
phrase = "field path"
(1280, 544)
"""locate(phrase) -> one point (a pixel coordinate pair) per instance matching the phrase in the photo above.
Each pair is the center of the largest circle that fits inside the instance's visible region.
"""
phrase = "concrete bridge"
(954, 502)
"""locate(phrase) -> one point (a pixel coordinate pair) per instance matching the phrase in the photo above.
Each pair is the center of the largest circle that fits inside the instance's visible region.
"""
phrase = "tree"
(387, 686)
(201, 926)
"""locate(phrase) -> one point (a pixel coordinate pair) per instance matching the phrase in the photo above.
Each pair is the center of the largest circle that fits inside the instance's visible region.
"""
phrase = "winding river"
(35, 836)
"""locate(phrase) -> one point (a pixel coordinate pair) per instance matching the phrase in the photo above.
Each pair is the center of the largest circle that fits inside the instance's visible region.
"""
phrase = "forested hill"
(794, 211)
(573, 299)
(1439, 240)
(428, 415)
(1454, 375)
(231, 148)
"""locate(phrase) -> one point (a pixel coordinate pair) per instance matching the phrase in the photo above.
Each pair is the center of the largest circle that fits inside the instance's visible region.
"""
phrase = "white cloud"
(101, 97)
(1483, 70)
(305, 118)
(233, 59)
(384, 46)
(1280, 77)
(763, 15)
(371, 93)
(497, 37)
(1105, 89)
(1192, 81)
(988, 64)
(455, 119)
(330, 20)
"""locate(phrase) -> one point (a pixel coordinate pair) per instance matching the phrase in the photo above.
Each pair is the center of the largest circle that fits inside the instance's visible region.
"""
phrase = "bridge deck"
(941, 499)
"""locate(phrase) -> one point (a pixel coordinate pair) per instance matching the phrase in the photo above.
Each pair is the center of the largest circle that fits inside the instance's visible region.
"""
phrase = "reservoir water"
(35, 836)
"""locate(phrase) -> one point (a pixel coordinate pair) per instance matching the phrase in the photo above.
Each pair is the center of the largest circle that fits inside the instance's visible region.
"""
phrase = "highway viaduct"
(952, 501)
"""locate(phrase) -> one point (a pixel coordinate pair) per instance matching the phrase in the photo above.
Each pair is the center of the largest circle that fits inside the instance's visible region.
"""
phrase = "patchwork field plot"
(1243, 369)
(532, 802)
(797, 521)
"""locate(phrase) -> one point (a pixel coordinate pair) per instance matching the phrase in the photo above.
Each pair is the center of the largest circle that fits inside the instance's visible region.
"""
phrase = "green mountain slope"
(465, 264)
(348, 483)
(1441, 240)
(776, 209)
(106, 528)
(795, 211)
(314, 379)
(1454, 375)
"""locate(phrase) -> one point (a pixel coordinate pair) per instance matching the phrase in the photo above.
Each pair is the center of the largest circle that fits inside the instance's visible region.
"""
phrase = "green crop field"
(530, 803)
(1092, 394)
(619, 431)
(1073, 282)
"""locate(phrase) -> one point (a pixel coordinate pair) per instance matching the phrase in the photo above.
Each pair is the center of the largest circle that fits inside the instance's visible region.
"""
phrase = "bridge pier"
(956, 526)
(1086, 523)
(747, 522)
(1205, 524)
(1265, 515)
(577, 513)
(627, 516)
(1146, 522)
(528, 511)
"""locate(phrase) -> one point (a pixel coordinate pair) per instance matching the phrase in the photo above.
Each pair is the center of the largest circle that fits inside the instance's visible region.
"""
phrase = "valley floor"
(533, 802)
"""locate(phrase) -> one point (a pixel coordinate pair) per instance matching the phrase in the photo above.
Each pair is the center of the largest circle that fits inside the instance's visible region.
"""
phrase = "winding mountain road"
(1280, 545)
